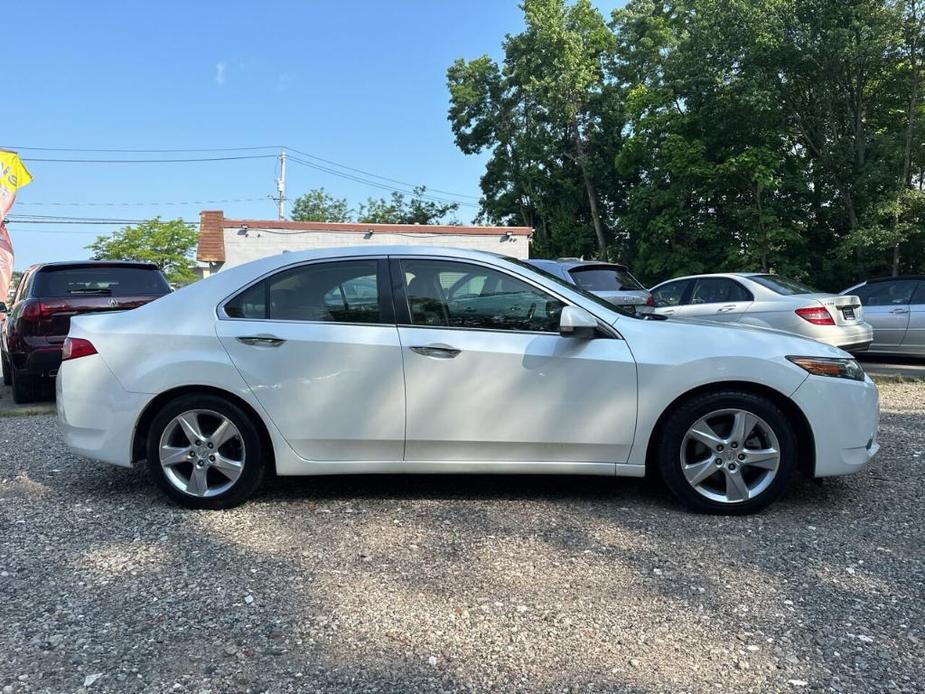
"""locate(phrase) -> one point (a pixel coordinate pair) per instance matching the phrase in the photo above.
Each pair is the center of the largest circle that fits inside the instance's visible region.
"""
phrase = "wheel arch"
(806, 444)
(143, 425)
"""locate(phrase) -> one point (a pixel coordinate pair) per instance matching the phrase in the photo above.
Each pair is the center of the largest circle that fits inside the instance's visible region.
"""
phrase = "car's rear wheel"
(729, 452)
(24, 386)
(205, 452)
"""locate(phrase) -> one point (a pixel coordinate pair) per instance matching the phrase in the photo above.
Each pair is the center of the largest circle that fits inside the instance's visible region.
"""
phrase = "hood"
(707, 339)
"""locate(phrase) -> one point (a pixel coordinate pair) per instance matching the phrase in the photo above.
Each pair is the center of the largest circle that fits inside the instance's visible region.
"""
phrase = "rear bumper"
(851, 338)
(844, 416)
(38, 357)
(96, 415)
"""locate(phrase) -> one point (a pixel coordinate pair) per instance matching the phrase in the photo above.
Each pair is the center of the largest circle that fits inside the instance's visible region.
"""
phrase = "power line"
(136, 151)
(147, 161)
(383, 178)
(138, 204)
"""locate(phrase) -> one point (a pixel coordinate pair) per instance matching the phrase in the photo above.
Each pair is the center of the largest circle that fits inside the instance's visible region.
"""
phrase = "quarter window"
(459, 295)
(341, 292)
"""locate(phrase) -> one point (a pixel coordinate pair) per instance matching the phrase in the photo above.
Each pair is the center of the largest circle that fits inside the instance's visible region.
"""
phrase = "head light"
(830, 366)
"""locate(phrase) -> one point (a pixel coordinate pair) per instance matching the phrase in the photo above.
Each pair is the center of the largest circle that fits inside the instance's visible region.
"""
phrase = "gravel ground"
(454, 583)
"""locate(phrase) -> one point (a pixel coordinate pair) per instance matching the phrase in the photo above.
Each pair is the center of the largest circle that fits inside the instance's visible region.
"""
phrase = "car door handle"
(668, 312)
(436, 351)
(726, 309)
(264, 340)
(899, 310)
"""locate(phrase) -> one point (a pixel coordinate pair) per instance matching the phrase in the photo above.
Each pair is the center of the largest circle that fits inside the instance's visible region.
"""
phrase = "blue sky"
(360, 83)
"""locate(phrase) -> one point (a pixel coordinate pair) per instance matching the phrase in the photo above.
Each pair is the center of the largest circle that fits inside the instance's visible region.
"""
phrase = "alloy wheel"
(730, 456)
(202, 453)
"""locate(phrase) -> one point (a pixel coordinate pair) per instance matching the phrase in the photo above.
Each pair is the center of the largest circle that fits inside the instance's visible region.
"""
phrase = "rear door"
(717, 299)
(914, 340)
(318, 346)
(887, 308)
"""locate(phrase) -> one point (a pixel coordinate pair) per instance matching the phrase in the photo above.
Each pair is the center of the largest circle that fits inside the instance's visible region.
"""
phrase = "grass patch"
(27, 411)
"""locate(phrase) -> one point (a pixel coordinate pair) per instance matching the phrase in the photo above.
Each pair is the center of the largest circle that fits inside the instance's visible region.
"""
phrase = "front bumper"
(844, 416)
(96, 415)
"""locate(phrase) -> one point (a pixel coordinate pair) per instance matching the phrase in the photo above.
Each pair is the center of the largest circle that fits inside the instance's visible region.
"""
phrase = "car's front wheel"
(728, 452)
(205, 452)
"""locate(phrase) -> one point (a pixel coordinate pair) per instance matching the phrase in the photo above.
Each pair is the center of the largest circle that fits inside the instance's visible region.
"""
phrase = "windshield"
(782, 285)
(603, 278)
(623, 311)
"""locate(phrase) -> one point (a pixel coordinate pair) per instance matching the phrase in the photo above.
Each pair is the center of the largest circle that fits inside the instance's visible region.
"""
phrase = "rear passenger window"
(886, 293)
(341, 292)
(719, 290)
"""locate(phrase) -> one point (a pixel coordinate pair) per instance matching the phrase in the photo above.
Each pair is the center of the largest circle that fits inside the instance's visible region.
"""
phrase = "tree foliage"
(707, 135)
(167, 244)
(318, 206)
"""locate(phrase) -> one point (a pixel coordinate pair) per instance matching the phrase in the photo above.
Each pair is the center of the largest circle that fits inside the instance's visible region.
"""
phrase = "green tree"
(419, 208)
(318, 206)
(167, 244)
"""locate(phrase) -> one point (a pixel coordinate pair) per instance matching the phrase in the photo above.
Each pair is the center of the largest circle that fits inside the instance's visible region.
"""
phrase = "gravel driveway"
(454, 583)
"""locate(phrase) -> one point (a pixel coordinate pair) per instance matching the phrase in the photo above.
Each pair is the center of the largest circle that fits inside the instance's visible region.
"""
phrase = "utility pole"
(281, 185)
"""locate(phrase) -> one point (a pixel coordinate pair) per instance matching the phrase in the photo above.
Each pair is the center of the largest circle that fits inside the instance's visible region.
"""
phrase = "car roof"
(875, 280)
(744, 275)
(92, 263)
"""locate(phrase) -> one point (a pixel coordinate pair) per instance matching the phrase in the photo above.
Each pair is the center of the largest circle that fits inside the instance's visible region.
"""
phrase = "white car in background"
(434, 360)
(768, 301)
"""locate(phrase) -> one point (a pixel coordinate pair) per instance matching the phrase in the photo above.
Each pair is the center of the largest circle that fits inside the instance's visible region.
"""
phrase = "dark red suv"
(46, 298)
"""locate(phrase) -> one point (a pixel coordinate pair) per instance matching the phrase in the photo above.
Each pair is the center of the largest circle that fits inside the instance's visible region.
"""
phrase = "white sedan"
(429, 360)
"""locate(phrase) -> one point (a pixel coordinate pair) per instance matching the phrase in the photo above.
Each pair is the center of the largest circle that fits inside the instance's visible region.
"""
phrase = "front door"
(318, 346)
(914, 341)
(488, 377)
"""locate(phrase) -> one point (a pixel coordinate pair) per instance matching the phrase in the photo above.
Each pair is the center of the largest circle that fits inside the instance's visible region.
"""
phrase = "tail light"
(650, 300)
(75, 347)
(817, 315)
(36, 310)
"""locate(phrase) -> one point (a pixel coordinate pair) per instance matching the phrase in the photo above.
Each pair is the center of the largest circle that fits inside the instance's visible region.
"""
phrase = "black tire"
(254, 460)
(7, 372)
(25, 387)
(682, 418)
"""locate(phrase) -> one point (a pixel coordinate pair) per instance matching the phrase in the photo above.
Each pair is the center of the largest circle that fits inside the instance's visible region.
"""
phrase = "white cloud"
(220, 73)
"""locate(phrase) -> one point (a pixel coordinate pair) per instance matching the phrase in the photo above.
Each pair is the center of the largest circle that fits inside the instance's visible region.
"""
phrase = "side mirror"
(3, 308)
(576, 322)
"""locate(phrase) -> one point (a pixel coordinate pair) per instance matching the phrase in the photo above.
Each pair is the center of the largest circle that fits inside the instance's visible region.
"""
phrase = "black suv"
(48, 295)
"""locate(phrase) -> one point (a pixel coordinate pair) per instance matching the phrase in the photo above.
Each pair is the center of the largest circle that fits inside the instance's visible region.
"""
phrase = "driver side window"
(460, 295)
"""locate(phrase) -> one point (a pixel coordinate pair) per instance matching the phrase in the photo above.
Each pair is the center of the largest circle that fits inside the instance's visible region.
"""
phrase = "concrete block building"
(227, 242)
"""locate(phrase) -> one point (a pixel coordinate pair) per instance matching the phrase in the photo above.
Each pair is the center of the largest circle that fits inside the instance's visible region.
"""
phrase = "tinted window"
(99, 281)
(670, 294)
(342, 292)
(919, 296)
(459, 295)
(782, 285)
(605, 279)
(718, 290)
(886, 293)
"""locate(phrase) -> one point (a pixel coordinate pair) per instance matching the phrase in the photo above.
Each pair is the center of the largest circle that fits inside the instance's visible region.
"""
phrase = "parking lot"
(453, 583)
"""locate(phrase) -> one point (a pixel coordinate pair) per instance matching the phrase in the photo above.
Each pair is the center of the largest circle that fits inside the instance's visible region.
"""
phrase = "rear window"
(99, 281)
(782, 285)
(605, 279)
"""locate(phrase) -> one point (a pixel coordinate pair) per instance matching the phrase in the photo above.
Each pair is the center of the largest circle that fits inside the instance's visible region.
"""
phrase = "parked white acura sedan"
(393, 359)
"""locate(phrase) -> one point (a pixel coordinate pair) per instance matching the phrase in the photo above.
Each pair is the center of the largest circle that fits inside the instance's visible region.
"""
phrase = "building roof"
(212, 224)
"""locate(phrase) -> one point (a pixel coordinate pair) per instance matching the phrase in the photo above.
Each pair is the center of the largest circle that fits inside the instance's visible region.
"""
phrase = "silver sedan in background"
(769, 301)
(895, 307)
